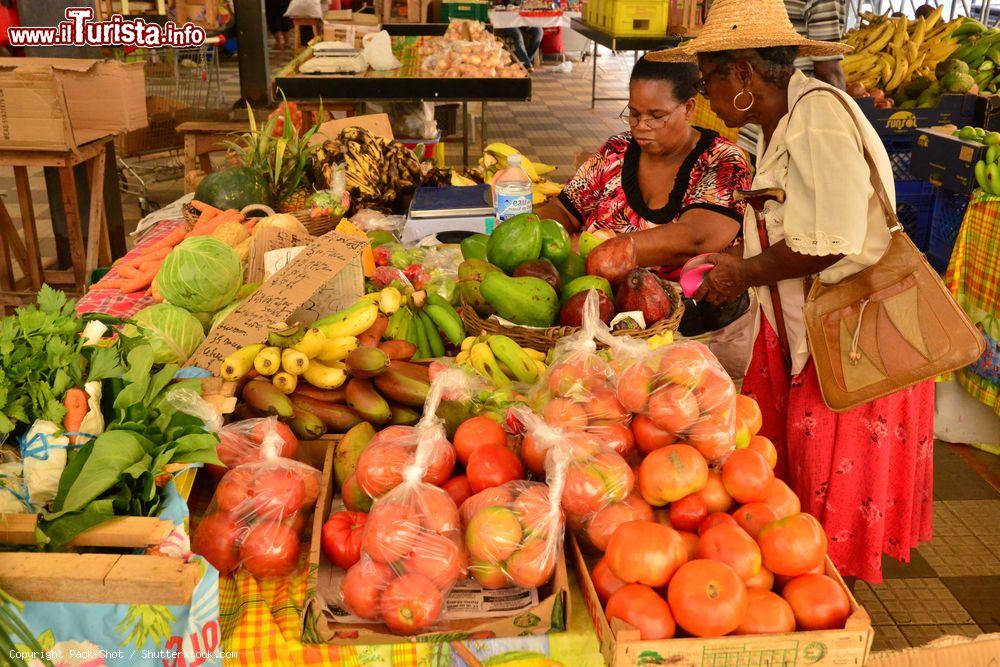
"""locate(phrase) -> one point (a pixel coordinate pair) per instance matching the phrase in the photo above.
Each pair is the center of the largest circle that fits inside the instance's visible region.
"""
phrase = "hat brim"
(688, 51)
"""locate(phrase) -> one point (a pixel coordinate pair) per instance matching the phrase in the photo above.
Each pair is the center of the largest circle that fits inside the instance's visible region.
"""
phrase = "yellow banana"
(548, 188)
(389, 300)
(486, 365)
(918, 35)
(513, 356)
(462, 358)
(293, 361)
(468, 343)
(285, 382)
(324, 377)
(541, 367)
(534, 354)
(268, 361)
(311, 344)
(502, 151)
(352, 325)
(336, 349)
(240, 362)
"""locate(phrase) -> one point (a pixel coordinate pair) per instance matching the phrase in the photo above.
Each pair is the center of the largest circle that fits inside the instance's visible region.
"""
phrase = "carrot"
(76, 409)
(157, 253)
(175, 236)
(201, 206)
(151, 265)
(138, 283)
(250, 224)
(208, 227)
(128, 271)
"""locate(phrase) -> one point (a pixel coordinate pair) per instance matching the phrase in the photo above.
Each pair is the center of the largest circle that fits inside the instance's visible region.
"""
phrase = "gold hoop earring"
(747, 107)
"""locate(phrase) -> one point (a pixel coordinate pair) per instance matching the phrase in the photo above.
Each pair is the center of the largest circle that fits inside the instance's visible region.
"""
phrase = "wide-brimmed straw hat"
(747, 24)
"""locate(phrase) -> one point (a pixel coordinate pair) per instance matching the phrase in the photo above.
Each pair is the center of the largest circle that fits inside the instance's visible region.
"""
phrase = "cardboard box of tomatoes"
(539, 611)
(621, 646)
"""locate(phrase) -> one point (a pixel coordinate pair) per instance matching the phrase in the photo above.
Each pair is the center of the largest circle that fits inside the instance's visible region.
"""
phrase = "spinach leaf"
(113, 453)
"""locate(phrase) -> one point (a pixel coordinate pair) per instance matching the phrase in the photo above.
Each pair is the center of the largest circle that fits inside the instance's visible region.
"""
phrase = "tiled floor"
(952, 584)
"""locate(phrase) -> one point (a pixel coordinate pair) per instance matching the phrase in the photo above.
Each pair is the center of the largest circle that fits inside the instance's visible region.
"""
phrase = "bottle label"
(510, 205)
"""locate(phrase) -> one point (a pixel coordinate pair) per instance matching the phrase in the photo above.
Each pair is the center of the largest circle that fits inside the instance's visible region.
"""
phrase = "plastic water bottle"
(511, 190)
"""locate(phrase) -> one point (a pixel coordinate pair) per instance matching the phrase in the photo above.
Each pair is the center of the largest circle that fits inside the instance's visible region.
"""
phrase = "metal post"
(593, 80)
(255, 75)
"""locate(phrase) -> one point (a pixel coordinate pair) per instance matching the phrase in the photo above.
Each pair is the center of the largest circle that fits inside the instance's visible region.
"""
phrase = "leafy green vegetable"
(202, 274)
(173, 332)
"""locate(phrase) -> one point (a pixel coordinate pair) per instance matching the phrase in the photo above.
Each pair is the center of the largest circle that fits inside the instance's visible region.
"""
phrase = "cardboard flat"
(945, 160)
(266, 240)
(949, 651)
(376, 123)
(58, 104)
(318, 268)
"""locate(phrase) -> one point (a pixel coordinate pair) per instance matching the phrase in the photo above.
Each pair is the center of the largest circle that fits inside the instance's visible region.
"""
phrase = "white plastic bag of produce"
(44, 456)
(305, 9)
(13, 494)
(378, 51)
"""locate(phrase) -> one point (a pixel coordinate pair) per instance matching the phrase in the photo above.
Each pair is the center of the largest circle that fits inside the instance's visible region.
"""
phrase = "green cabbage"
(172, 332)
(202, 274)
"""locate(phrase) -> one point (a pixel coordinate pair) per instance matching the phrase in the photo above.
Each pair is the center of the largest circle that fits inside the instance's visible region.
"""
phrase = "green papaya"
(584, 283)
(528, 301)
(514, 242)
(470, 274)
(474, 247)
(572, 267)
(555, 242)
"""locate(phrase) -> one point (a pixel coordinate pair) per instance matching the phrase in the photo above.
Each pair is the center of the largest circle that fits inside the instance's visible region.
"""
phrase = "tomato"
(234, 489)
(491, 576)
(241, 442)
(602, 406)
(459, 489)
(754, 516)
(767, 614)
(712, 436)
(341, 537)
(441, 462)
(380, 469)
(497, 496)
(532, 565)
(714, 493)
(217, 539)
(765, 448)
(477, 432)
(270, 549)
(619, 480)
(534, 509)
(391, 532)
(311, 479)
(648, 436)
(748, 420)
(670, 473)
(355, 499)
(570, 373)
(437, 510)
(615, 436)
(267, 429)
(714, 519)
(747, 476)
(645, 552)
(818, 602)
(708, 599)
(716, 393)
(634, 387)
(277, 492)
(641, 607)
(731, 545)
(410, 604)
(565, 413)
(492, 465)
(605, 581)
(782, 499)
(493, 534)
(362, 588)
(690, 543)
(533, 453)
(780, 580)
(763, 579)
(436, 557)
(793, 546)
(584, 491)
(673, 408)
(688, 512)
(602, 525)
(683, 364)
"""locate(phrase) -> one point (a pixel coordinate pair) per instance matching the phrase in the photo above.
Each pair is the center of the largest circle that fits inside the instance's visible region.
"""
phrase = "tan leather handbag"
(889, 326)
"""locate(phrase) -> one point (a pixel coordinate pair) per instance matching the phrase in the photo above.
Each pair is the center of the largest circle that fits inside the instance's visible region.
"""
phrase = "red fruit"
(714, 493)
(793, 546)
(217, 538)
(612, 260)
(268, 429)
(534, 508)
(673, 408)
(707, 598)
(605, 581)
(818, 602)
(712, 435)
(635, 385)
(602, 526)
(533, 454)
(494, 497)
(355, 499)
(688, 512)
(436, 557)
(782, 499)
(643, 291)
(380, 469)
(602, 407)
(437, 510)
(650, 437)
(618, 437)
(492, 465)
(685, 364)
(731, 545)
(571, 314)
(754, 516)
(392, 530)
(565, 413)
(270, 549)
(767, 614)
(747, 476)
(690, 543)
(670, 473)
(277, 493)
(477, 432)
(362, 588)
(714, 519)
(491, 576)
(410, 604)
(645, 552)
(459, 489)
(233, 491)
(641, 607)
(341, 538)
(532, 565)
(493, 534)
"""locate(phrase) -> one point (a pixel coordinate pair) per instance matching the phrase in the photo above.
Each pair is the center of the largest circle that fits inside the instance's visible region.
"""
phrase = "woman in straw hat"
(865, 474)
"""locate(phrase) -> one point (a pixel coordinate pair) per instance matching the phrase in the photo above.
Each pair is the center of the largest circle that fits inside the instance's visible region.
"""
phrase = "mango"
(400, 388)
(585, 283)
(348, 451)
(474, 247)
(527, 301)
(403, 415)
(514, 242)
(402, 350)
(338, 418)
(363, 399)
(305, 425)
(366, 362)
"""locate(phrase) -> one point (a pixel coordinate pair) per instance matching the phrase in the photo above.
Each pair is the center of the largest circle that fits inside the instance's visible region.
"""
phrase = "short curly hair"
(776, 64)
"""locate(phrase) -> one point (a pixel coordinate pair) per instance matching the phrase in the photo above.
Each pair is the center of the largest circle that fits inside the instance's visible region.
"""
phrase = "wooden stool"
(204, 137)
(315, 24)
(27, 253)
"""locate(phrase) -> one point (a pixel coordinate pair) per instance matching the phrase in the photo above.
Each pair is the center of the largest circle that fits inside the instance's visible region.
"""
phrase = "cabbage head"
(172, 332)
(202, 274)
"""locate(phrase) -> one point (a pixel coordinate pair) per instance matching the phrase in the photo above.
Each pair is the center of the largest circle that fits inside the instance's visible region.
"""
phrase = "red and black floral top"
(605, 194)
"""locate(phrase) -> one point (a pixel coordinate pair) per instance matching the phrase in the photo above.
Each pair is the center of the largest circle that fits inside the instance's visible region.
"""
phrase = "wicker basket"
(545, 339)
(316, 226)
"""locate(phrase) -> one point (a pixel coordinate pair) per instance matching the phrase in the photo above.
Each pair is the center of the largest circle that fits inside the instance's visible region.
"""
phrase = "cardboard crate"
(59, 104)
(946, 161)
(551, 614)
(952, 110)
(622, 647)
(988, 113)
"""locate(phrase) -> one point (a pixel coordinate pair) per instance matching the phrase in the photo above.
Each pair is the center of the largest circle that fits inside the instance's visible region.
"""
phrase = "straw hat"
(747, 24)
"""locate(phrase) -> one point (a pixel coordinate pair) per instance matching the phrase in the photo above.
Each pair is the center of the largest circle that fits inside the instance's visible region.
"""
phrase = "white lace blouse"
(815, 156)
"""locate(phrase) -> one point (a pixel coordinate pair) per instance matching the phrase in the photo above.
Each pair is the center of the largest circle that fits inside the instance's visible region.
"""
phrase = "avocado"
(956, 82)
(527, 301)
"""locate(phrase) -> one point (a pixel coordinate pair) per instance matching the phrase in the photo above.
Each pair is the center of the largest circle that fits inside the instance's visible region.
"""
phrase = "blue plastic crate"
(900, 149)
(915, 209)
(946, 221)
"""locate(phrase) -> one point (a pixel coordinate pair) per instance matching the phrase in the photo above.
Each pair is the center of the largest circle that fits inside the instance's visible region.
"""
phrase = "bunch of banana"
(427, 321)
(501, 360)
(494, 160)
(988, 171)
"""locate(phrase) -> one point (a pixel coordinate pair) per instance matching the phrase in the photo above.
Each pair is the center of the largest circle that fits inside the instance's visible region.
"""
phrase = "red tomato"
(605, 581)
(532, 564)
(688, 512)
(438, 558)
(270, 549)
(714, 519)
(341, 538)
(684, 364)
(765, 448)
(410, 604)
(767, 614)
(477, 432)
(232, 492)
(380, 469)
(533, 454)
(217, 539)
(497, 496)
(648, 436)
(459, 489)
(534, 509)
(493, 534)
(492, 465)
(747, 476)
(645, 552)
(673, 408)
(670, 473)
(616, 436)
(602, 525)
(391, 532)
(763, 579)
(714, 493)
(602, 406)
(754, 516)
(782, 499)
(641, 607)
(362, 588)
(690, 543)
(271, 428)
(793, 546)
(708, 599)
(634, 386)
(565, 413)
(712, 436)
(437, 510)
(730, 544)
(818, 602)
(490, 575)
(277, 492)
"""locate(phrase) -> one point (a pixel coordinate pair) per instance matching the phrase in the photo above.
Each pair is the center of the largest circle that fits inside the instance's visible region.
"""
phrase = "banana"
(240, 362)
(285, 382)
(352, 325)
(392, 330)
(902, 67)
(446, 319)
(462, 358)
(534, 354)
(293, 361)
(322, 376)
(502, 151)
(468, 343)
(981, 175)
(311, 344)
(285, 336)
(268, 361)
(422, 342)
(514, 357)
(486, 365)
(336, 349)
(389, 300)
(434, 342)
(542, 368)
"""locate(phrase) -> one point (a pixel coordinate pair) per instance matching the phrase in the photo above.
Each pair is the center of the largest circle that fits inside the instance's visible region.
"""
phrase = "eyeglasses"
(652, 122)
(702, 85)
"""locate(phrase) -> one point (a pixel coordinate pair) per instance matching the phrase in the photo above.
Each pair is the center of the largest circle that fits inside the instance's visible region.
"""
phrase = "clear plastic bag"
(382, 465)
(369, 220)
(244, 442)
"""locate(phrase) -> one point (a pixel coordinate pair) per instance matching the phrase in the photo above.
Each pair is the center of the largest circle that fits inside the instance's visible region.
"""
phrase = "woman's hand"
(726, 282)
(613, 259)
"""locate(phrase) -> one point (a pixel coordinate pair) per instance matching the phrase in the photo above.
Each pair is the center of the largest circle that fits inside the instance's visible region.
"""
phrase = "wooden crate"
(621, 646)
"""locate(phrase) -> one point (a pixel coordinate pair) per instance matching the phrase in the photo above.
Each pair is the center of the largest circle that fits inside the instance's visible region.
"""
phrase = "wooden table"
(297, 24)
(202, 137)
(89, 247)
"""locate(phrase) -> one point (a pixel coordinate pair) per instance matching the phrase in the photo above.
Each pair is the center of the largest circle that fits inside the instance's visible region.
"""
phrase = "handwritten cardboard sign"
(324, 277)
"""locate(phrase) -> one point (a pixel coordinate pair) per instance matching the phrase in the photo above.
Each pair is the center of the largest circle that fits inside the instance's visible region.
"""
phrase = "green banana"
(392, 331)
(981, 175)
(286, 337)
(446, 318)
(993, 179)
(434, 341)
(423, 344)
(992, 153)
(511, 354)
(967, 28)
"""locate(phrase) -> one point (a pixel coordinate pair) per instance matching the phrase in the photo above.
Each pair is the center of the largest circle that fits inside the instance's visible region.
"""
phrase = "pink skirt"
(866, 474)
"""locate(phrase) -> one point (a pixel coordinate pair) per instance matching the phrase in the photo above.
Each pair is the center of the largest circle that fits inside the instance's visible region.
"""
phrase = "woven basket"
(316, 226)
(545, 339)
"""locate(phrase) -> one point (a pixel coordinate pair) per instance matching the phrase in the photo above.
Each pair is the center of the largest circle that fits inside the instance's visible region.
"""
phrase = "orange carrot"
(76, 409)
(128, 271)
(152, 265)
(157, 253)
(201, 206)
(169, 241)
(209, 226)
